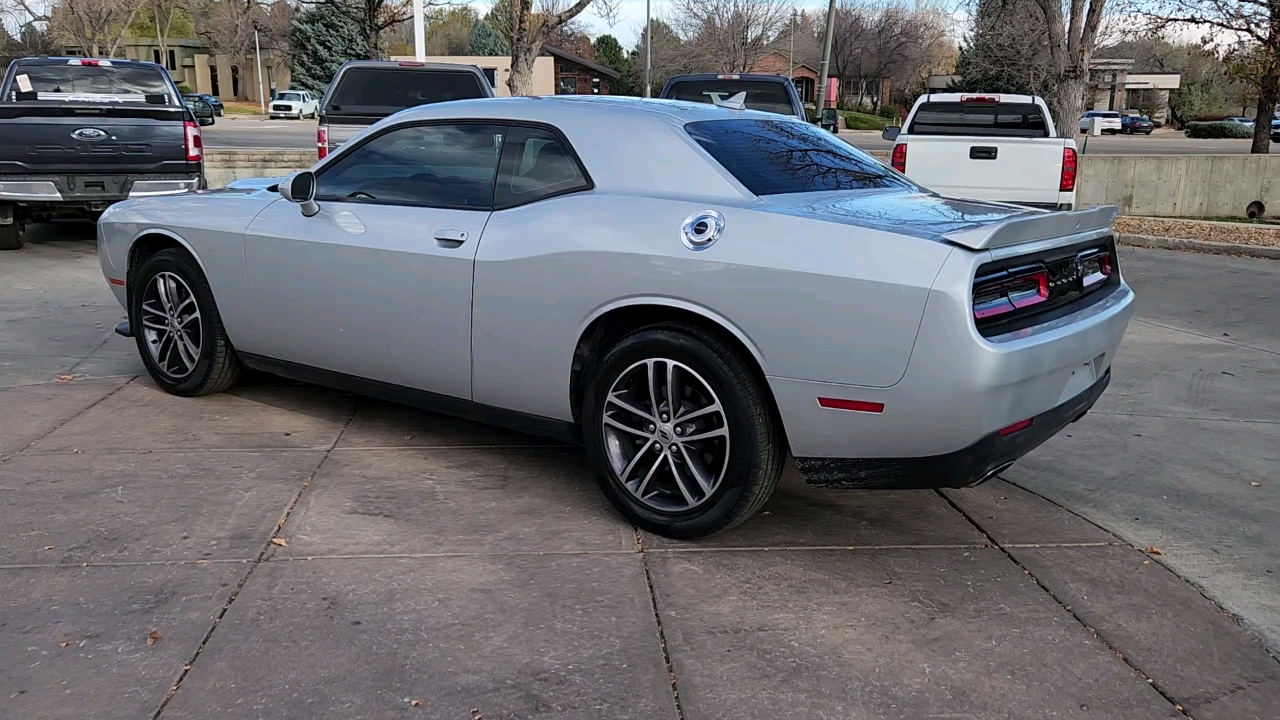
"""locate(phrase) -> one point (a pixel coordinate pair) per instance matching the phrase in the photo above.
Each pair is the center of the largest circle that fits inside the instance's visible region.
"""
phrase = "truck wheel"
(11, 236)
(178, 329)
(680, 433)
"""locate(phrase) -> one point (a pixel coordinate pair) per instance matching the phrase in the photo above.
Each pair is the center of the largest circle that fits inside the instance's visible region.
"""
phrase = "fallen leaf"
(65, 644)
(1153, 550)
(64, 378)
(1146, 562)
(48, 547)
(153, 637)
(888, 582)
(202, 562)
(1255, 484)
(280, 541)
(415, 703)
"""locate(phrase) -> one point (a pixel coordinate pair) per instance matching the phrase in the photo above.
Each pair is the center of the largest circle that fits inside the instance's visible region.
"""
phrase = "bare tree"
(873, 42)
(729, 35)
(1255, 25)
(527, 29)
(1073, 33)
(96, 26)
(375, 17)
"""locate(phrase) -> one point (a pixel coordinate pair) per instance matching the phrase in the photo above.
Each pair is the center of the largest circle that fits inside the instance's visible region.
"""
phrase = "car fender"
(678, 304)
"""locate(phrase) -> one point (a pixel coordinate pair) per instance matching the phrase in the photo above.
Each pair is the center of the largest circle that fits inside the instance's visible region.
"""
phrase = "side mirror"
(300, 188)
(891, 133)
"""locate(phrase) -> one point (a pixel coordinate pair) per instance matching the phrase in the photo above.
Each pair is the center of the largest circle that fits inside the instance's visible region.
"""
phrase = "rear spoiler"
(1039, 226)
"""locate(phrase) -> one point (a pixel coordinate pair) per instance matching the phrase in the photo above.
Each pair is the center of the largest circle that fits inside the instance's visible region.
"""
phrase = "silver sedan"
(693, 293)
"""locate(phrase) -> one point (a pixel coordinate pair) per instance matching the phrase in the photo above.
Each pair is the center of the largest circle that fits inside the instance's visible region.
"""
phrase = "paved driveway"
(297, 552)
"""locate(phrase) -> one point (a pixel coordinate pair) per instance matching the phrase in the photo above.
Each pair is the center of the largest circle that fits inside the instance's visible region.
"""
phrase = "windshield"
(979, 119)
(91, 83)
(774, 157)
(289, 97)
(383, 91)
(761, 95)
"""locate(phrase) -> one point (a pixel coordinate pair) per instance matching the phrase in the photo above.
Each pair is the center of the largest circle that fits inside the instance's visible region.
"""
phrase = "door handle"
(982, 153)
(447, 238)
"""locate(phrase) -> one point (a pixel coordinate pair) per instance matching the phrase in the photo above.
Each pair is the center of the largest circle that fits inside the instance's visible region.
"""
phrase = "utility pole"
(826, 58)
(791, 57)
(257, 51)
(419, 42)
(648, 50)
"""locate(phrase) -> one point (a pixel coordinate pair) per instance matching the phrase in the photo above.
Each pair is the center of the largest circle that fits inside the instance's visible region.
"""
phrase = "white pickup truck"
(987, 147)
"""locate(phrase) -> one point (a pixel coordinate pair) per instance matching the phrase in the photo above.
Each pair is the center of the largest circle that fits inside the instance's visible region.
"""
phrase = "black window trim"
(350, 147)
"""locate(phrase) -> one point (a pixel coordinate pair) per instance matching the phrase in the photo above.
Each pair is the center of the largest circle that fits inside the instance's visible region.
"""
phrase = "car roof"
(65, 60)
(957, 97)
(695, 77)
(407, 65)
(555, 109)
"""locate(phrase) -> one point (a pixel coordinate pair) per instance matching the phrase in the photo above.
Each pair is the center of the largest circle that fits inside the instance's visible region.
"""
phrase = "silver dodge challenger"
(693, 293)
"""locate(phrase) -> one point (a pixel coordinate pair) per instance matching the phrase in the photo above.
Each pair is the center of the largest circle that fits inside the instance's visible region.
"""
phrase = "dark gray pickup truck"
(78, 134)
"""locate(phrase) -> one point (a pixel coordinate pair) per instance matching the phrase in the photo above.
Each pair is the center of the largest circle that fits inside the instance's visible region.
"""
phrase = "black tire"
(11, 236)
(752, 461)
(1147, 132)
(216, 368)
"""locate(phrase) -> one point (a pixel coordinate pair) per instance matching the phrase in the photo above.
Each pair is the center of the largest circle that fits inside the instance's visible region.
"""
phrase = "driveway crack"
(657, 617)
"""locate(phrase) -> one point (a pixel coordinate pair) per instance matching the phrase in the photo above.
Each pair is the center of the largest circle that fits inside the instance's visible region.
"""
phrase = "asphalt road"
(283, 550)
(301, 135)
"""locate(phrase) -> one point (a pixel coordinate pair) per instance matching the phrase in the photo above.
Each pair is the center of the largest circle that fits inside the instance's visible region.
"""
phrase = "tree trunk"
(1267, 92)
(520, 82)
(1067, 104)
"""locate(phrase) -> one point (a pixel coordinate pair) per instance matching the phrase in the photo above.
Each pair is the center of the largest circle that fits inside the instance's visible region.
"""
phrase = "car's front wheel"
(177, 327)
(680, 432)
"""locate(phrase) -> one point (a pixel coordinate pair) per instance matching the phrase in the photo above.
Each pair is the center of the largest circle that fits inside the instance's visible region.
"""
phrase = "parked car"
(1241, 120)
(1275, 131)
(988, 147)
(365, 91)
(1109, 121)
(201, 110)
(767, 93)
(1135, 124)
(508, 260)
(218, 108)
(296, 104)
(78, 134)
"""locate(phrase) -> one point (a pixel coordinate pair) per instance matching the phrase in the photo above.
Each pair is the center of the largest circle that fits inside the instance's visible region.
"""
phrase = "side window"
(450, 166)
(536, 164)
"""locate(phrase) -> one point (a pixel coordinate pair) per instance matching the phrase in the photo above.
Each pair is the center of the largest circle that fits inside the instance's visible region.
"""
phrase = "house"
(804, 77)
(555, 72)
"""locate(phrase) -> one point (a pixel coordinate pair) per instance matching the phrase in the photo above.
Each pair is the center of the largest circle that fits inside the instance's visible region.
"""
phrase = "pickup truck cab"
(366, 91)
(987, 147)
(767, 93)
(78, 134)
(296, 104)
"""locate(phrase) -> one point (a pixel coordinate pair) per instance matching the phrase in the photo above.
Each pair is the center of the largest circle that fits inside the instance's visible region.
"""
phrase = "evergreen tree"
(1007, 50)
(321, 40)
(609, 53)
(486, 41)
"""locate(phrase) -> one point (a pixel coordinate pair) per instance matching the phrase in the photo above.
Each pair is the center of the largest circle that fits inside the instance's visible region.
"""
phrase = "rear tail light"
(193, 142)
(1095, 267)
(1068, 181)
(89, 62)
(322, 142)
(1016, 427)
(728, 77)
(979, 98)
(899, 159)
(1010, 290)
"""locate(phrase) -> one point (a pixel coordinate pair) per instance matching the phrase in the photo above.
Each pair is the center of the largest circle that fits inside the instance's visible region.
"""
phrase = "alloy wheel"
(666, 435)
(171, 324)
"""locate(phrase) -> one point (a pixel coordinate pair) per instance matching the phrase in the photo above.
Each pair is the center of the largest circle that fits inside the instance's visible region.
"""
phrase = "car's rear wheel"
(680, 432)
(178, 329)
(11, 236)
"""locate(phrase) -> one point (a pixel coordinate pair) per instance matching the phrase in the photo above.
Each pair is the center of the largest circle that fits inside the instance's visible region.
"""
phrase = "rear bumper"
(91, 192)
(962, 468)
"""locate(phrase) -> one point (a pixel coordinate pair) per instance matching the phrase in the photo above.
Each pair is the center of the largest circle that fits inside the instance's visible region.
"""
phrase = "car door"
(378, 283)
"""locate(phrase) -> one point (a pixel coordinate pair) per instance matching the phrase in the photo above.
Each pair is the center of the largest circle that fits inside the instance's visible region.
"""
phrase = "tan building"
(194, 65)
(555, 72)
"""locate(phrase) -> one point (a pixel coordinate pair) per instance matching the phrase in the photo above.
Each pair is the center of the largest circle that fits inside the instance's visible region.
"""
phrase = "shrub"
(887, 111)
(184, 90)
(1215, 130)
(863, 121)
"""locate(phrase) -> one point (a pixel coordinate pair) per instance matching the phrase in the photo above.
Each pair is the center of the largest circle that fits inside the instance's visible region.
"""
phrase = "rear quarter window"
(775, 157)
(980, 119)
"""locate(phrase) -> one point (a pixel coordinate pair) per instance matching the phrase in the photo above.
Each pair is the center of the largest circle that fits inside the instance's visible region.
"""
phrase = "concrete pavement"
(306, 553)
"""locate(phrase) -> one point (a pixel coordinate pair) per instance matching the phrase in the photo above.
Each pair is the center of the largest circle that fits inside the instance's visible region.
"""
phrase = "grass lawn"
(863, 121)
(236, 107)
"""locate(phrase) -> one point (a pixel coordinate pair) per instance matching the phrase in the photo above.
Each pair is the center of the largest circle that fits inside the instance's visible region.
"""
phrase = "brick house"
(804, 77)
(579, 76)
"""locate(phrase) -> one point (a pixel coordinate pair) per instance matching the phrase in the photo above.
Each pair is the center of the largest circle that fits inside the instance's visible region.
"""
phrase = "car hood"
(975, 224)
(249, 184)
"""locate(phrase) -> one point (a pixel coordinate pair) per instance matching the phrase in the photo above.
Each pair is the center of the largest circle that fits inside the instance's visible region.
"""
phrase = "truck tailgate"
(37, 137)
(1005, 169)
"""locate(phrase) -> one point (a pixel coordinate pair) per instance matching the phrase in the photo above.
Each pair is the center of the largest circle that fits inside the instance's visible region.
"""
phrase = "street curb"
(1200, 246)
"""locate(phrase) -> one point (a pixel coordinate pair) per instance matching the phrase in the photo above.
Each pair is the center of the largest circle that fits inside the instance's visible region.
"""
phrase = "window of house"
(173, 60)
(449, 166)
(568, 85)
(491, 74)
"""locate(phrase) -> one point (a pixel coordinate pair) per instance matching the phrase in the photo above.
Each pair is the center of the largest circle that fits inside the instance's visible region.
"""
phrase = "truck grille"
(282, 108)
(1019, 292)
